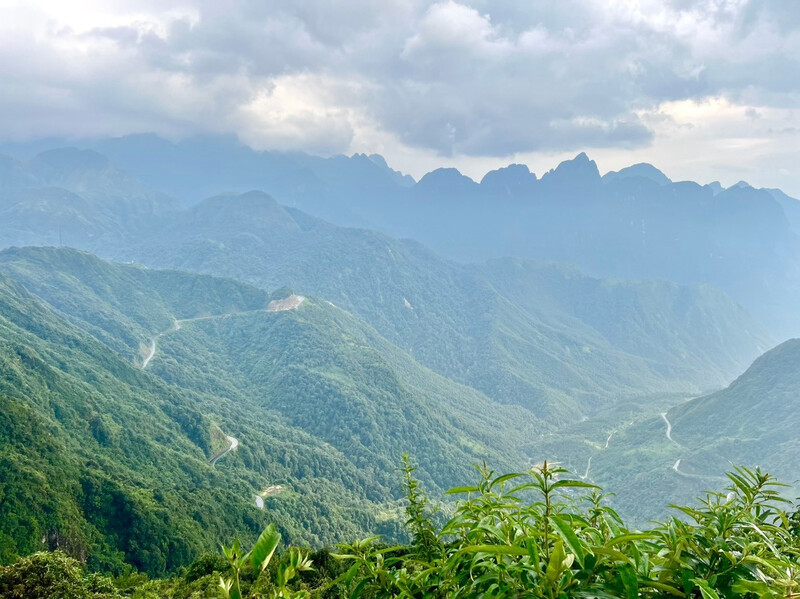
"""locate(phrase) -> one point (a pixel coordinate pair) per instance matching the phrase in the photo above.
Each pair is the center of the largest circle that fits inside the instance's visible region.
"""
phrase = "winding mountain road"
(234, 444)
(589, 462)
(588, 465)
(176, 324)
(151, 354)
(669, 429)
(290, 303)
(677, 465)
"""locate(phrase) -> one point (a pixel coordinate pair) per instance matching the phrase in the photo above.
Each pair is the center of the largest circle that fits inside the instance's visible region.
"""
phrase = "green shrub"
(538, 534)
(543, 535)
(53, 576)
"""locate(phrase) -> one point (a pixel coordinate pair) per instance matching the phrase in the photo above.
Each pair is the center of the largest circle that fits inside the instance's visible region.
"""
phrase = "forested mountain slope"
(533, 347)
(87, 441)
(755, 419)
(676, 455)
(112, 462)
(75, 197)
(684, 329)
(517, 340)
(634, 223)
(529, 347)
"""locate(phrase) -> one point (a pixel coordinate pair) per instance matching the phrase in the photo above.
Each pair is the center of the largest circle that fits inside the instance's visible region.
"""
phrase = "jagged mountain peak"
(512, 180)
(643, 170)
(579, 172)
(446, 180)
(741, 185)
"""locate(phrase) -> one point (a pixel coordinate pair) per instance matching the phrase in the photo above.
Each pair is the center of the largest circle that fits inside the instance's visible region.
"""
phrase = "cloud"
(450, 78)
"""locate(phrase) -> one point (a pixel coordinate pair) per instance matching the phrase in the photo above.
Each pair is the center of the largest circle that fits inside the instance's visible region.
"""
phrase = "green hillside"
(692, 333)
(753, 421)
(516, 339)
(320, 404)
(78, 198)
(88, 440)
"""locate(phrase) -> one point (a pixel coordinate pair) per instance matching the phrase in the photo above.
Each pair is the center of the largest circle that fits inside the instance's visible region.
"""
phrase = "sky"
(705, 90)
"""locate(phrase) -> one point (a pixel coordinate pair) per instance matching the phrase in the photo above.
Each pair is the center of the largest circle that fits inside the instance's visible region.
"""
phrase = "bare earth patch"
(288, 303)
(271, 490)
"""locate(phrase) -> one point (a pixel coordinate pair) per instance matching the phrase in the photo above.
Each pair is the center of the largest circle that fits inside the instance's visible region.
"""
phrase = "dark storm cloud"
(461, 78)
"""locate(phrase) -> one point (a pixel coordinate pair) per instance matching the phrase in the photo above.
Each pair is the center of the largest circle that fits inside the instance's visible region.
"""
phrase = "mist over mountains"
(632, 224)
(510, 320)
(431, 299)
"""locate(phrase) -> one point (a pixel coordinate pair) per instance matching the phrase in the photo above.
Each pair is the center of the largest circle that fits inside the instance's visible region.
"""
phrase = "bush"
(53, 576)
(543, 535)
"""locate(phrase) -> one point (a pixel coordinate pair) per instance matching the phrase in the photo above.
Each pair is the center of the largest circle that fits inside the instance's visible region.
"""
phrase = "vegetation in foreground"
(538, 534)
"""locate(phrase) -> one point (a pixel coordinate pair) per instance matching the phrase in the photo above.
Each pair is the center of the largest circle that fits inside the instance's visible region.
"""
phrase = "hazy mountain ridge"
(440, 311)
(634, 223)
(75, 197)
(657, 320)
(452, 318)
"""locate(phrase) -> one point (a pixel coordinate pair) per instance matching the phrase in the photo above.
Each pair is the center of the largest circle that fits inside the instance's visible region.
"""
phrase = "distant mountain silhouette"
(643, 170)
(632, 223)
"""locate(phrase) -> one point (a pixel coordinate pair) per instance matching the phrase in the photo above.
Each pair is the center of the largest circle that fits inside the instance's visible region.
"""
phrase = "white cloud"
(452, 27)
(300, 111)
(473, 82)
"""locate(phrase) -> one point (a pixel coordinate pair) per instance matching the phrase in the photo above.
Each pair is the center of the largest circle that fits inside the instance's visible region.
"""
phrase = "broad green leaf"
(456, 490)
(225, 586)
(705, 590)
(751, 586)
(570, 538)
(664, 588)
(626, 538)
(359, 588)
(501, 479)
(495, 549)
(262, 551)
(574, 483)
(630, 582)
(558, 563)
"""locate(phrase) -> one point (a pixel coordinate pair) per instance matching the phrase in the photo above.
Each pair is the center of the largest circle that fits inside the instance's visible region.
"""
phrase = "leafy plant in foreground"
(257, 560)
(536, 535)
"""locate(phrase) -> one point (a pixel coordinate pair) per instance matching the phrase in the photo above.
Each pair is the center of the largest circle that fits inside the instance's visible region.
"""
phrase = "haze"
(705, 90)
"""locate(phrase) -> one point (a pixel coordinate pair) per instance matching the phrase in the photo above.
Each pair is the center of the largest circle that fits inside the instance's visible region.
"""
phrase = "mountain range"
(175, 325)
(633, 223)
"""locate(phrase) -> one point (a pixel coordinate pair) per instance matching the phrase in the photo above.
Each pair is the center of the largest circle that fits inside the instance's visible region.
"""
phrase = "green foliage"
(110, 463)
(418, 522)
(536, 535)
(53, 576)
(257, 560)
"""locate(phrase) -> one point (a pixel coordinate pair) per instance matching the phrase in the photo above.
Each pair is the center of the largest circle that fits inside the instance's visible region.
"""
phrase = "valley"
(430, 299)
(289, 362)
